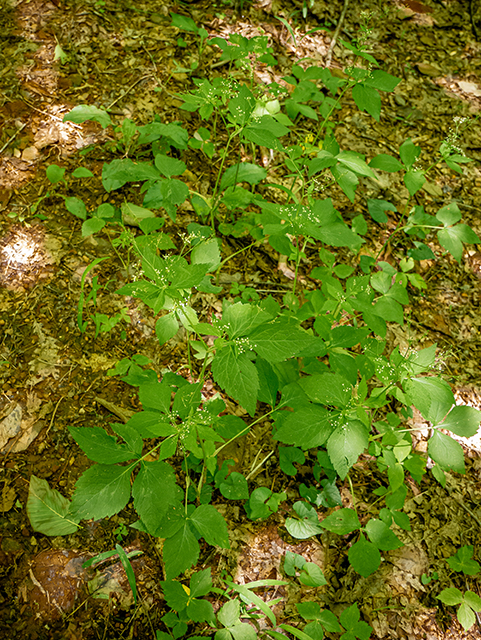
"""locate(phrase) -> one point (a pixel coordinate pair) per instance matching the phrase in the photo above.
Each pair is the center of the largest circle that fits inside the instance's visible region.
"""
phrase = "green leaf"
(367, 99)
(234, 487)
(77, 207)
(154, 491)
(382, 81)
(354, 163)
(346, 179)
(229, 614)
(472, 599)
(345, 446)
(211, 526)
(350, 621)
(327, 389)
(377, 210)
(452, 239)
(462, 561)
(92, 225)
(382, 536)
(175, 595)
(386, 163)
(312, 576)
(237, 375)
(99, 446)
(207, 252)
(250, 596)
(83, 112)
(243, 172)
(82, 172)
(364, 557)
(241, 318)
(307, 427)
(463, 421)
(166, 328)
(200, 611)
(409, 153)
(414, 181)
(312, 611)
(155, 395)
(280, 340)
(129, 572)
(118, 172)
(432, 396)
(180, 551)
(101, 491)
(308, 525)
(268, 382)
(288, 455)
(47, 510)
(323, 160)
(466, 616)
(450, 596)
(342, 522)
(169, 167)
(449, 214)
(446, 452)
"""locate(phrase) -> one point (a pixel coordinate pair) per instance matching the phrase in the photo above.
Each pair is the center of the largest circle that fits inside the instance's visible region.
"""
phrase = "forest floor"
(124, 57)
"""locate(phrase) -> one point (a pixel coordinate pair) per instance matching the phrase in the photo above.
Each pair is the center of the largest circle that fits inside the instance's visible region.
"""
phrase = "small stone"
(30, 154)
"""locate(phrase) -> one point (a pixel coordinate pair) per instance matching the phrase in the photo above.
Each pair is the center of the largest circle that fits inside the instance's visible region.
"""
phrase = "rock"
(30, 154)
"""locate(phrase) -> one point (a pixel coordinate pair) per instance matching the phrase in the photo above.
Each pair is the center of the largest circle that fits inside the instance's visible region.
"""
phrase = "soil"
(125, 57)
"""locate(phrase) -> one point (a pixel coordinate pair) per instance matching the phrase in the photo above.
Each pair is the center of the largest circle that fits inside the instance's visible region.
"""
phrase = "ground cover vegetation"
(313, 364)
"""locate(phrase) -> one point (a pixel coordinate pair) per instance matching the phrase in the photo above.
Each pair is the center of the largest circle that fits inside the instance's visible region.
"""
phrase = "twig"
(148, 75)
(336, 34)
(12, 138)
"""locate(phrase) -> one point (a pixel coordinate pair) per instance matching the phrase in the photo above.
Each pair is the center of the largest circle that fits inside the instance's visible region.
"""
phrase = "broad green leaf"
(154, 491)
(92, 225)
(414, 180)
(312, 576)
(250, 596)
(446, 452)
(382, 536)
(450, 596)
(466, 616)
(409, 153)
(101, 491)
(200, 611)
(169, 167)
(342, 522)
(367, 99)
(288, 455)
(327, 389)
(346, 179)
(463, 421)
(77, 207)
(211, 525)
(99, 446)
(472, 599)
(237, 375)
(452, 239)
(200, 583)
(357, 164)
(234, 487)
(243, 172)
(135, 212)
(241, 319)
(180, 552)
(323, 160)
(268, 382)
(175, 135)
(175, 595)
(166, 328)
(207, 252)
(183, 22)
(187, 400)
(350, 621)
(382, 81)
(345, 446)
(432, 396)
(83, 112)
(308, 525)
(377, 209)
(307, 427)
(463, 561)
(82, 172)
(149, 424)
(312, 611)
(118, 172)
(229, 614)
(449, 214)
(47, 510)
(386, 163)
(297, 633)
(155, 395)
(364, 557)
(280, 340)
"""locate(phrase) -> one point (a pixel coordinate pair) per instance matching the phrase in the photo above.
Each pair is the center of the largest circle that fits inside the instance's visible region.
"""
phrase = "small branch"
(336, 34)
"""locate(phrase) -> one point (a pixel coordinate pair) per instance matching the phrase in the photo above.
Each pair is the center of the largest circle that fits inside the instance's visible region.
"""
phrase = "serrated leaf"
(472, 599)
(211, 526)
(101, 491)
(367, 99)
(237, 375)
(229, 614)
(180, 551)
(280, 340)
(327, 389)
(446, 452)
(462, 561)
(99, 446)
(169, 167)
(154, 491)
(207, 252)
(307, 427)
(450, 596)
(241, 319)
(346, 444)
(432, 396)
(364, 557)
(466, 616)
(243, 172)
(414, 180)
(47, 510)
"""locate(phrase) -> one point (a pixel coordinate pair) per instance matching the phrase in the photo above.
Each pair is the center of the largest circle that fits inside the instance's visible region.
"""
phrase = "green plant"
(313, 363)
